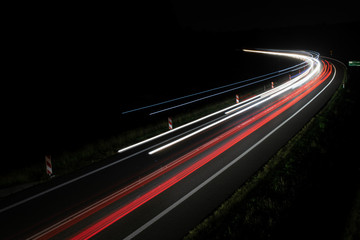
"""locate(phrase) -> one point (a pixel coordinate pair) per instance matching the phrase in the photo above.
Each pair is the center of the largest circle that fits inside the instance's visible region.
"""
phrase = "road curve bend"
(163, 187)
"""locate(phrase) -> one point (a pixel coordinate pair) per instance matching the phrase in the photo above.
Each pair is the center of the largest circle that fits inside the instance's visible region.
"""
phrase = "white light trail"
(313, 69)
(182, 126)
(274, 74)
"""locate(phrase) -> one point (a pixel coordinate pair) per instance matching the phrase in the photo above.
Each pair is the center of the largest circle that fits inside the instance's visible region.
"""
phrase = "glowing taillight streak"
(287, 102)
(300, 80)
(77, 217)
(298, 56)
(117, 196)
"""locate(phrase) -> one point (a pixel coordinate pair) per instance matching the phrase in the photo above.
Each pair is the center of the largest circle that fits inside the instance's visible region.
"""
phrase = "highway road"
(162, 187)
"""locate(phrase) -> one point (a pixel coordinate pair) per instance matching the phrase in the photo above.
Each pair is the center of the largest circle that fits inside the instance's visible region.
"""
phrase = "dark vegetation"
(80, 76)
(95, 150)
(309, 189)
(75, 70)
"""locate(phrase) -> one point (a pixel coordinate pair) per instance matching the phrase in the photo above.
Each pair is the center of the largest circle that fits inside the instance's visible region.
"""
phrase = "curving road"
(161, 188)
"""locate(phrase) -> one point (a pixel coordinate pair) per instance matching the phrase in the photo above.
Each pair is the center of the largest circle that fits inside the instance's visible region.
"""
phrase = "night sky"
(240, 15)
(76, 67)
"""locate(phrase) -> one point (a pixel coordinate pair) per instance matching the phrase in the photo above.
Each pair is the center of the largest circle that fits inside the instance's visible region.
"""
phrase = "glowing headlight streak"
(295, 67)
(265, 115)
(313, 69)
(183, 126)
(287, 102)
(277, 73)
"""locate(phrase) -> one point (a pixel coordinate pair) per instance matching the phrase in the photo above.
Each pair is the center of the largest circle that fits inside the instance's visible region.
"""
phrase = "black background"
(74, 68)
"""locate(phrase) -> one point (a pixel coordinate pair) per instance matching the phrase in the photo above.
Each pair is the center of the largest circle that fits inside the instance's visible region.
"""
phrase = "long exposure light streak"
(272, 75)
(268, 76)
(298, 81)
(258, 121)
(287, 95)
(222, 170)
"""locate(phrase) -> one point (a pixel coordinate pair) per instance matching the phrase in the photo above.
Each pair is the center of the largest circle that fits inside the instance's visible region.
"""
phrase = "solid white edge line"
(287, 87)
(293, 55)
(63, 184)
(113, 163)
(192, 192)
(106, 166)
(109, 165)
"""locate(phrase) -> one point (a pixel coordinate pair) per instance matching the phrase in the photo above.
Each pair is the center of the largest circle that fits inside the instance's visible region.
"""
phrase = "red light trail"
(258, 120)
(291, 93)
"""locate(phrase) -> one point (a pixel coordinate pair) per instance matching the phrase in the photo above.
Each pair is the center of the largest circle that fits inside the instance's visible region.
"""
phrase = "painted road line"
(207, 181)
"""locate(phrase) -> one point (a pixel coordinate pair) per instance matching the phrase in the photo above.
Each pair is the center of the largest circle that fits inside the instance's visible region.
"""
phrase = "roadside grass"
(352, 230)
(70, 161)
(261, 208)
(256, 207)
(34, 173)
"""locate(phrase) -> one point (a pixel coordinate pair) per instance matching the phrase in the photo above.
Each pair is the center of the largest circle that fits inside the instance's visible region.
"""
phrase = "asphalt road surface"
(162, 188)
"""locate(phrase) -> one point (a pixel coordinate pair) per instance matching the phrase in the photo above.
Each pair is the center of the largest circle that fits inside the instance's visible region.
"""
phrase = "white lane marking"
(62, 185)
(209, 126)
(106, 166)
(192, 192)
(113, 163)
(293, 55)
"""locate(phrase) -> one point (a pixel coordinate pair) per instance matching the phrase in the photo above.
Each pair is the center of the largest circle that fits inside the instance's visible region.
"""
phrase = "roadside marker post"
(237, 98)
(272, 84)
(170, 123)
(48, 164)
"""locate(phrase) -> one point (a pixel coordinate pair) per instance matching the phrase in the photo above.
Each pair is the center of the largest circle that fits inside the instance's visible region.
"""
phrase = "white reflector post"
(48, 164)
(170, 123)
